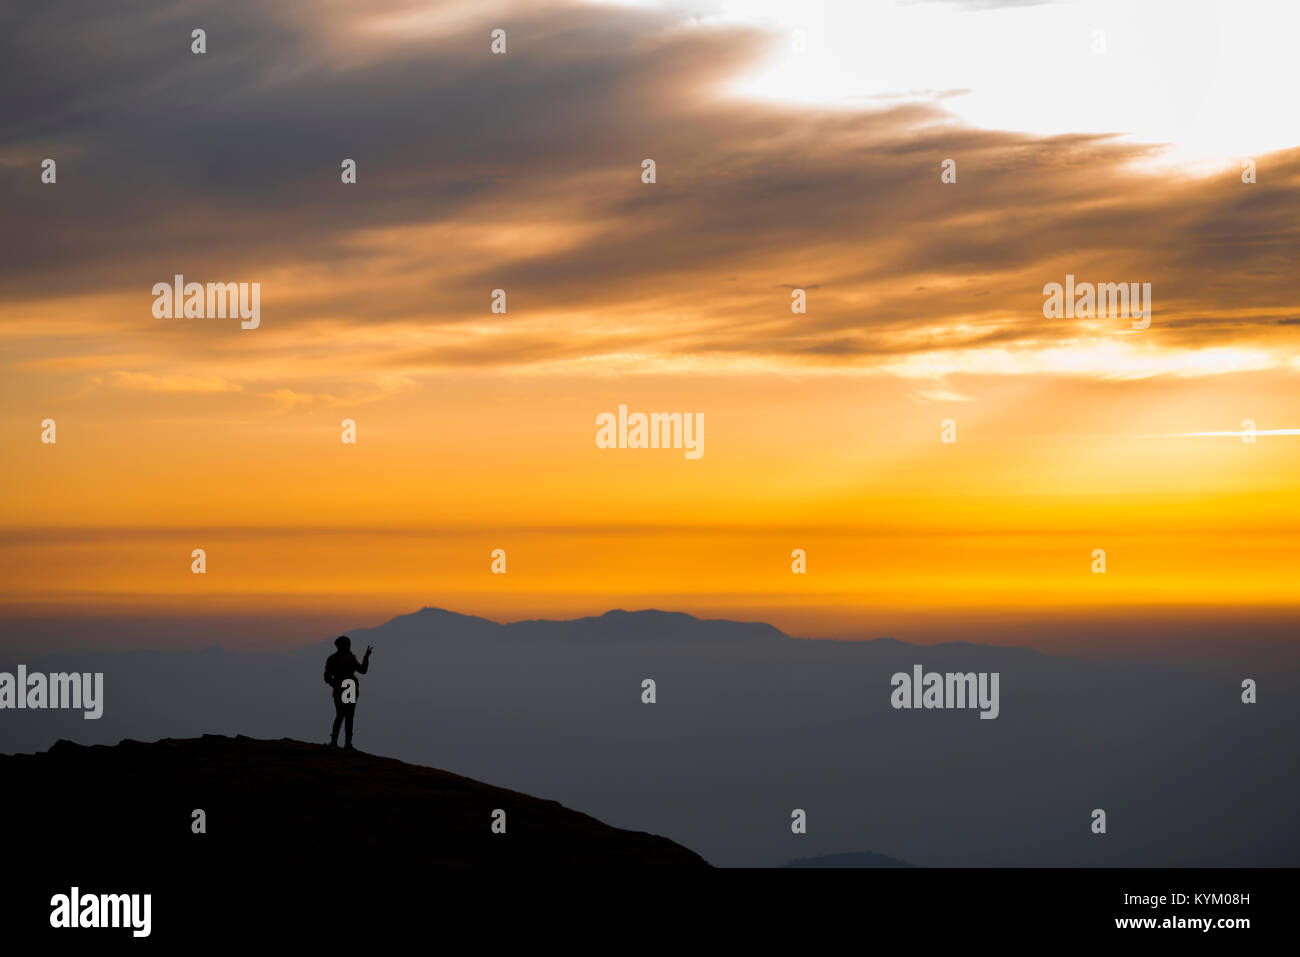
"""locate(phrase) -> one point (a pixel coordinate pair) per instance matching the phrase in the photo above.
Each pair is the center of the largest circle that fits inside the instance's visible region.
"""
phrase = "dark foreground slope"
(275, 805)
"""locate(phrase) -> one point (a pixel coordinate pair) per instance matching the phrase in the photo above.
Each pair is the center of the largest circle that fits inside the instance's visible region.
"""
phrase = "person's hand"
(368, 650)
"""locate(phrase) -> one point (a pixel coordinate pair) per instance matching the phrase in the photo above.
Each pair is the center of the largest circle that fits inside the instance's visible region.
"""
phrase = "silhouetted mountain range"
(289, 805)
(750, 724)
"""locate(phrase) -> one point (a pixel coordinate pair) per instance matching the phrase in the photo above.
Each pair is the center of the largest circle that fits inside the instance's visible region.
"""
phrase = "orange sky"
(476, 431)
(850, 470)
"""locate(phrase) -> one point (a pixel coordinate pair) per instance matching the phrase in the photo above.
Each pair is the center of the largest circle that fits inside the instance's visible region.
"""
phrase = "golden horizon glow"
(477, 430)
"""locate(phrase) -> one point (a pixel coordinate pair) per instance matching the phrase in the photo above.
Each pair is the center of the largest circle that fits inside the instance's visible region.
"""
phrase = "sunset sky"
(796, 146)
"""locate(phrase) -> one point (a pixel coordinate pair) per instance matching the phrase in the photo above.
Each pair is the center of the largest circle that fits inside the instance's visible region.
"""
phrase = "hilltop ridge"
(289, 804)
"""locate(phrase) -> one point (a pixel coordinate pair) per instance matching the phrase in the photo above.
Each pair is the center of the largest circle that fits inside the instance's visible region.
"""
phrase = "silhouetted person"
(339, 667)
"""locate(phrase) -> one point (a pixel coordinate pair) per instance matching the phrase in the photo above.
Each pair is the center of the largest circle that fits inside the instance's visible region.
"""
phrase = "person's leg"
(339, 708)
(349, 711)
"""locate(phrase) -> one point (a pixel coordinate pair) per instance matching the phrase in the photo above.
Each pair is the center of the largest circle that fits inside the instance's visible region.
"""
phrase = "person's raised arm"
(365, 660)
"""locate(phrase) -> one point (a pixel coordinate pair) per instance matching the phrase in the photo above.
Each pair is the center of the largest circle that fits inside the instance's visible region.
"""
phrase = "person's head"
(343, 643)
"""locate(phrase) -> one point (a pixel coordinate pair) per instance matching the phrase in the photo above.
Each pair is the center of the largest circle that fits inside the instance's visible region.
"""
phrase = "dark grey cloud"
(229, 162)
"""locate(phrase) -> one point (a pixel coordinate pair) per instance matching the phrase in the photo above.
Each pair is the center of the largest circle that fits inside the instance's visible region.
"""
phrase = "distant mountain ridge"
(749, 723)
(613, 624)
